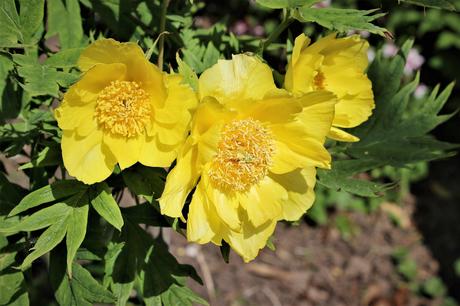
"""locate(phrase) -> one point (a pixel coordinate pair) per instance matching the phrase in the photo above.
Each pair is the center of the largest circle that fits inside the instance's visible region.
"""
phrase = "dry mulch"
(316, 266)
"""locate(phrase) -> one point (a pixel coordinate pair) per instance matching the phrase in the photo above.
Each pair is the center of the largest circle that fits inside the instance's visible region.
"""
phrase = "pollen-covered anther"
(244, 155)
(123, 108)
(319, 81)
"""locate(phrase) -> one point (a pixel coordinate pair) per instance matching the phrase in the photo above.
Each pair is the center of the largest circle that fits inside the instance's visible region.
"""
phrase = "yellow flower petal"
(292, 156)
(180, 182)
(263, 202)
(126, 150)
(200, 225)
(302, 67)
(108, 51)
(80, 118)
(180, 100)
(226, 204)
(156, 154)
(243, 77)
(93, 81)
(337, 65)
(318, 113)
(299, 184)
(250, 239)
(87, 158)
(340, 135)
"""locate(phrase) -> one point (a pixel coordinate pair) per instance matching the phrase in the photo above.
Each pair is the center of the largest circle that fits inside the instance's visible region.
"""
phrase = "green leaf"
(225, 251)
(457, 267)
(49, 156)
(12, 284)
(47, 241)
(22, 26)
(397, 132)
(41, 219)
(279, 4)
(135, 257)
(339, 178)
(439, 4)
(408, 268)
(106, 206)
(145, 213)
(434, 287)
(67, 217)
(179, 295)
(81, 290)
(10, 106)
(145, 181)
(76, 230)
(50, 193)
(335, 181)
(67, 58)
(11, 195)
(64, 20)
(187, 72)
(342, 20)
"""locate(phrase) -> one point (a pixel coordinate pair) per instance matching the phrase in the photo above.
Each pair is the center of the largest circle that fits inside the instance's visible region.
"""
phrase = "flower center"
(244, 154)
(123, 108)
(319, 81)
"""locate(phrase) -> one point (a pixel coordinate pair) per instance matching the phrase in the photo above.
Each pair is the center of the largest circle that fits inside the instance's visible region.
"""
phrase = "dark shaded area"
(438, 210)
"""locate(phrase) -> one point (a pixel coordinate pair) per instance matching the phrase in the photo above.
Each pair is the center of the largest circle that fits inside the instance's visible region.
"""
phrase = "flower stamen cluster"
(123, 108)
(244, 155)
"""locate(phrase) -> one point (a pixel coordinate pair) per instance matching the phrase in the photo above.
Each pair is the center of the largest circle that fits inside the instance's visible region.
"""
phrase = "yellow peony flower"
(123, 110)
(251, 155)
(337, 65)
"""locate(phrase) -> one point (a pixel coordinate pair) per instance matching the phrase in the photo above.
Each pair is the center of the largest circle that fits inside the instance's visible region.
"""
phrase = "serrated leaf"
(50, 193)
(106, 206)
(342, 20)
(440, 4)
(66, 58)
(187, 73)
(20, 26)
(396, 134)
(64, 20)
(279, 4)
(335, 181)
(81, 290)
(179, 295)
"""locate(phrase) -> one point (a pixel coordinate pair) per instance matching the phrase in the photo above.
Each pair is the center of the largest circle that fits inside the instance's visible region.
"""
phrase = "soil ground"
(315, 265)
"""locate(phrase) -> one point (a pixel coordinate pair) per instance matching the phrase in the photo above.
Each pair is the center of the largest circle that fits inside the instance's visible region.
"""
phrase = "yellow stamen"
(123, 108)
(244, 155)
(319, 81)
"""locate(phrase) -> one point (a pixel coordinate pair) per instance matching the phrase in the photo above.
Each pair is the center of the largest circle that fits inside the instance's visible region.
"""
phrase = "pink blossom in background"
(240, 27)
(258, 30)
(324, 3)
(420, 91)
(390, 50)
(414, 61)
(370, 54)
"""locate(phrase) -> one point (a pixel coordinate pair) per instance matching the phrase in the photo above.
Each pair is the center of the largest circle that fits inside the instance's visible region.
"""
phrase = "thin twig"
(164, 9)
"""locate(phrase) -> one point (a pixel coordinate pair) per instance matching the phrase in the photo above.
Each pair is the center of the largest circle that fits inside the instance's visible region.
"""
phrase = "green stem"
(287, 20)
(164, 9)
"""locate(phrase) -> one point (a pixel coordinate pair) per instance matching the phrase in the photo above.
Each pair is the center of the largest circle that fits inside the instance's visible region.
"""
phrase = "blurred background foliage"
(37, 63)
